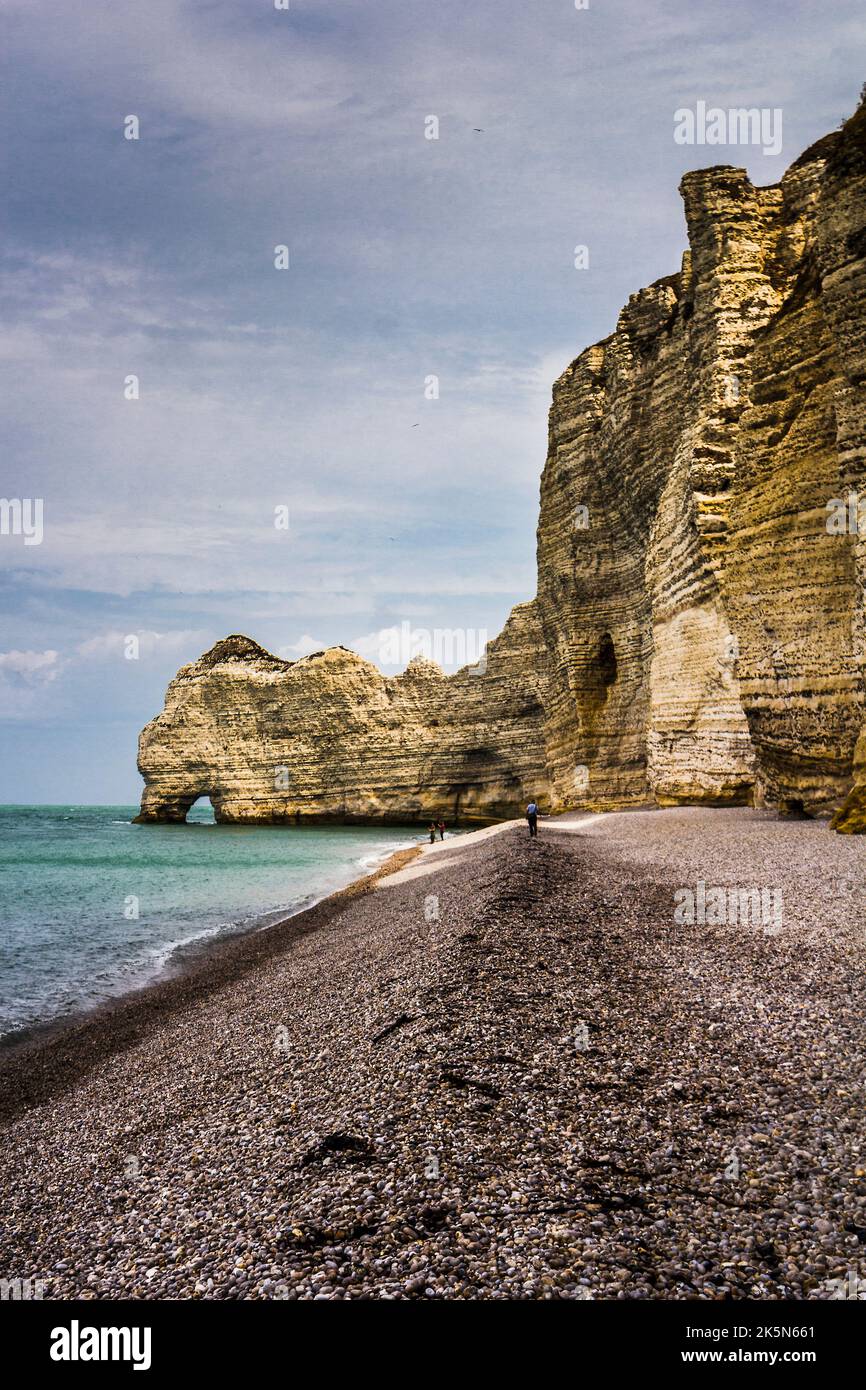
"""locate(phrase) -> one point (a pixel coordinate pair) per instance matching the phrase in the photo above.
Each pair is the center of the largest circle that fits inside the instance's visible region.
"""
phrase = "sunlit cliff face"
(697, 634)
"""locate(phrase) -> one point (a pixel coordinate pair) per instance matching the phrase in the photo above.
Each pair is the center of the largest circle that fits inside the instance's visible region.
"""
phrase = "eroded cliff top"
(238, 648)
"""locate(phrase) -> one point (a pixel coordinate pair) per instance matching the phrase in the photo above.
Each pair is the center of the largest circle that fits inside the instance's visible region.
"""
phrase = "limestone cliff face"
(329, 737)
(705, 630)
(698, 633)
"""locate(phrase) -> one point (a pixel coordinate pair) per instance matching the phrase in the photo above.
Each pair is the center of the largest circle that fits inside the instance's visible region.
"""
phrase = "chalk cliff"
(330, 737)
(698, 632)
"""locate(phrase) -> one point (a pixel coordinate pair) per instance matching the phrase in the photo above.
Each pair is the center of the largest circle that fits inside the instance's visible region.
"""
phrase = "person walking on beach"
(432, 832)
(441, 829)
(532, 817)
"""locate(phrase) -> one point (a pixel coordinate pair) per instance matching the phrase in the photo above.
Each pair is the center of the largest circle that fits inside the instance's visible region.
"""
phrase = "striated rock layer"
(698, 633)
(330, 737)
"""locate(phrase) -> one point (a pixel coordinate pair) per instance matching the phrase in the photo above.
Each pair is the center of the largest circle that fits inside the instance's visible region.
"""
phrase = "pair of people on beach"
(434, 826)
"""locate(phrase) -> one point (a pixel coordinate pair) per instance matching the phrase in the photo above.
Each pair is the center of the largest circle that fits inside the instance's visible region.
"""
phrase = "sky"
(305, 392)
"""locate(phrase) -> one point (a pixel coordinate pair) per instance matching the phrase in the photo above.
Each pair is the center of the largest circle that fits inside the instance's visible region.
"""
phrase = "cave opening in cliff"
(600, 675)
(606, 660)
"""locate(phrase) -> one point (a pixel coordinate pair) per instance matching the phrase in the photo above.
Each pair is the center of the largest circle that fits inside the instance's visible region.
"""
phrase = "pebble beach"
(497, 1069)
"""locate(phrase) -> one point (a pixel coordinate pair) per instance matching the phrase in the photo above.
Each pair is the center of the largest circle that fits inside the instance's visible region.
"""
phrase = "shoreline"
(54, 1055)
(184, 955)
(501, 1068)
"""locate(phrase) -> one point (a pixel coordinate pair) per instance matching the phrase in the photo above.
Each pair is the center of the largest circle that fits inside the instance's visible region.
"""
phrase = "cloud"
(32, 668)
(115, 643)
(369, 646)
(26, 680)
(450, 648)
(303, 647)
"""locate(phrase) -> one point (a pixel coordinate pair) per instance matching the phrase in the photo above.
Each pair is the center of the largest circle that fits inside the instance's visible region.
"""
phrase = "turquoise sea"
(92, 906)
